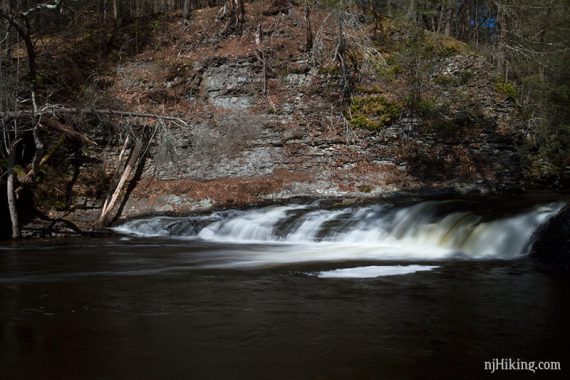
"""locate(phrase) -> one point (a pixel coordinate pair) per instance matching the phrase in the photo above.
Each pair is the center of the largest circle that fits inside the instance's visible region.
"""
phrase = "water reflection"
(87, 316)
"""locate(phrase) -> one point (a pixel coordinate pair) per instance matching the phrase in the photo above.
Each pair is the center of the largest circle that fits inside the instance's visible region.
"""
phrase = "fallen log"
(131, 164)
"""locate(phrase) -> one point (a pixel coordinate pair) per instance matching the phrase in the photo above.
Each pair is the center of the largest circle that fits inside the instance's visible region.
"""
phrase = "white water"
(433, 230)
(375, 271)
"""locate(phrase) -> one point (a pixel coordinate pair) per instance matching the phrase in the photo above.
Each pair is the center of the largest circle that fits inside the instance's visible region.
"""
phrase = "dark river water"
(201, 308)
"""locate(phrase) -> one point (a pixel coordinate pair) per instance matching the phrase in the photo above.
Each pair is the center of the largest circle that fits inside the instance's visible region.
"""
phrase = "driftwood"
(116, 173)
(131, 164)
(123, 150)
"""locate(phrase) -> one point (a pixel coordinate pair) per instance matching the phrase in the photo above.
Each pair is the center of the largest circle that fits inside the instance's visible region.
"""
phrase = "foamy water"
(424, 231)
(375, 271)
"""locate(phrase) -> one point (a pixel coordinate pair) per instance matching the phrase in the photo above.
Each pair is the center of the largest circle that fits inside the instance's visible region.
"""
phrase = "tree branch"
(20, 28)
(52, 110)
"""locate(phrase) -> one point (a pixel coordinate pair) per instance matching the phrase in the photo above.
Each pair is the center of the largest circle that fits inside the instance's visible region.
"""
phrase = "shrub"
(373, 112)
(390, 70)
(507, 88)
(365, 188)
(426, 106)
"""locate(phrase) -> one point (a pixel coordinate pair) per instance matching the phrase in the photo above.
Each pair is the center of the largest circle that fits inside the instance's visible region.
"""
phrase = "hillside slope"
(375, 110)
(299, 139)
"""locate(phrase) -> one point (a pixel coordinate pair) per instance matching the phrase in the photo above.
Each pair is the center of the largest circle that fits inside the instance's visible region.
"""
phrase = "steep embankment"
(245, 145)
(407, 112)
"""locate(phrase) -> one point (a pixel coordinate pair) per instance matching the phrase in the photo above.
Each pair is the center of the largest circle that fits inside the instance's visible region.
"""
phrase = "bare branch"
(20, 28)
(55, 110)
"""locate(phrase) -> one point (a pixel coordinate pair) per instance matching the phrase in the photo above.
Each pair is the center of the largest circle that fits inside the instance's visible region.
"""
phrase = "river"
(402, 289)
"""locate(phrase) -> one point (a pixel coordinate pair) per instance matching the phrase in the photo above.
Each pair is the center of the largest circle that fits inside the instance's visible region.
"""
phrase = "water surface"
(168, 308)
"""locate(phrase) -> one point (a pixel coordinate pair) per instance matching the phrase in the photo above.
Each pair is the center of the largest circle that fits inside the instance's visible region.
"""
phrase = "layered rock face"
(286, 128)
(245, 147)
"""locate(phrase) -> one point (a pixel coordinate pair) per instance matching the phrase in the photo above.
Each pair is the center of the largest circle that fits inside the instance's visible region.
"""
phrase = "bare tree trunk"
(16, 232)
(339, 55)
(448, 15)
(186, 10)
(24, 31)
(389, 11)
(115, 10)
(38, 153)
(477, 23)
(502, 26)
(5, 6)
(308, 28)
(240, 13)
(31, 52)
(411, 14)
(235, 12)
(261, 55)
(440, 21)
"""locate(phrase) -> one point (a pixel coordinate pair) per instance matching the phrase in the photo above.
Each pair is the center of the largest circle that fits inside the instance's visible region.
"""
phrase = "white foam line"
(375, 271)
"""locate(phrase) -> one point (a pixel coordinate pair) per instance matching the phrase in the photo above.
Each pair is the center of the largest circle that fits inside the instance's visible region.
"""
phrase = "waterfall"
(429, 230)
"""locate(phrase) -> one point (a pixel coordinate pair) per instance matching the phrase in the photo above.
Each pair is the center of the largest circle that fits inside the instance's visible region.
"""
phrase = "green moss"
(507, 88)
(155, 25)
(365, 188)
(363, 122)
(444, 46)
(20, 171)
(373, 112)
(389, 71)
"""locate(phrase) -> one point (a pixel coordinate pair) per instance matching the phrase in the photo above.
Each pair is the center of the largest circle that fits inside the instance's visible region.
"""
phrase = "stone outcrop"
(296, 144)
(244, 146)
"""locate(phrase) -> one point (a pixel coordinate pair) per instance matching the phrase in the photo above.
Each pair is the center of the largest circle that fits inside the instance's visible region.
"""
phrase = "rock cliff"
(272, 121)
